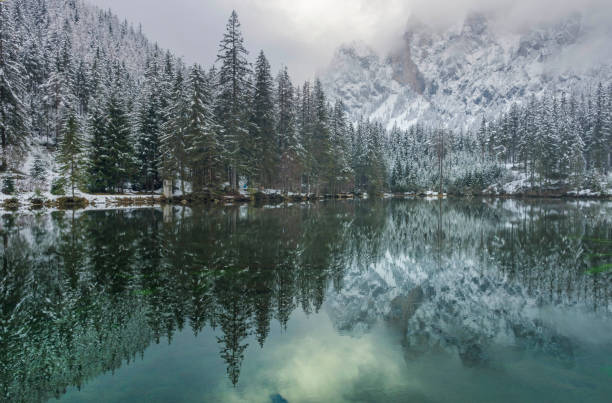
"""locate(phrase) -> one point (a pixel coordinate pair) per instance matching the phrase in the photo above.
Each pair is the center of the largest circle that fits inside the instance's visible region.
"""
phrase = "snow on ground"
(520, 182)
(96, 201)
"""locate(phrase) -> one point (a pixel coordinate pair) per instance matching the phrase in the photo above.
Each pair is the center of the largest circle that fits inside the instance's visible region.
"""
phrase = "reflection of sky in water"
(308, 362)
(313, 362)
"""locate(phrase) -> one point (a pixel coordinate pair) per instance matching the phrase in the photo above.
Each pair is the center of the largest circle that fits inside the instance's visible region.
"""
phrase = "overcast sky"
(303, 34)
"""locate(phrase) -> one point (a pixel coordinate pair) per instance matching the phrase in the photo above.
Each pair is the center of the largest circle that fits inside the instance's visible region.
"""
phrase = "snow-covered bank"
(519, 184)
(81, 201)
(25, 202)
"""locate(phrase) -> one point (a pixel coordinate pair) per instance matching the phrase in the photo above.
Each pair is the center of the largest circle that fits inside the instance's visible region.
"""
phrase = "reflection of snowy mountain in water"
(476, 278)
(87, 293)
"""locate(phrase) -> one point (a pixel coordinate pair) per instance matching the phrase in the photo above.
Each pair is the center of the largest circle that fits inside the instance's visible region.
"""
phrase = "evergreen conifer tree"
(173, 140)
(203, 150)
(149, 131)
(290, 145)
(14, 122)
(120, 150)
(263, 147)
(232, 99)
(70, 152)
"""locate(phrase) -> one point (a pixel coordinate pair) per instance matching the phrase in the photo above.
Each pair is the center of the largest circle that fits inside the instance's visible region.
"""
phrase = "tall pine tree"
(70, 152)
(263, 147)
(173, 141)
(13, 118)
(203, 150)
(232, 101)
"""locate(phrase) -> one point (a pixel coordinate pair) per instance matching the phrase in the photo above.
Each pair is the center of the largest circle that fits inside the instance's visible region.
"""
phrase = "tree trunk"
(3, 165)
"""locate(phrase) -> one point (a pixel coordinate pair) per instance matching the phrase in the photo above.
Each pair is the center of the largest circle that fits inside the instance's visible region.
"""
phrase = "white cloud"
(303, 34)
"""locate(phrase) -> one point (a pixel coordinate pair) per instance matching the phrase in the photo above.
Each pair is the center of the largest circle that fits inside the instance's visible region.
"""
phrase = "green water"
(357, 301)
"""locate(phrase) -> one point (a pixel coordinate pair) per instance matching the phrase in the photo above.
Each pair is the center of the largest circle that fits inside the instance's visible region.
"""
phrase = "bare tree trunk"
(3, 165)
(72, 180)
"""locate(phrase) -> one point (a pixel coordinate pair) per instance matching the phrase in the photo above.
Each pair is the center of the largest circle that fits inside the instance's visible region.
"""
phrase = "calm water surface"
(364, 301)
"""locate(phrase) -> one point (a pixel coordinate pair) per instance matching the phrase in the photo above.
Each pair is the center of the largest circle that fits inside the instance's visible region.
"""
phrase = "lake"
(355, 301)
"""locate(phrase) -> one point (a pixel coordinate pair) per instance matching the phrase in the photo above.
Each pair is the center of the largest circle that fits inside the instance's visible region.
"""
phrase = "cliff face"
(473, 69)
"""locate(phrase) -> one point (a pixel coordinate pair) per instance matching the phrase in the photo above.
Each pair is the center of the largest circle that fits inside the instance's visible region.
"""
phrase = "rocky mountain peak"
(456, 76)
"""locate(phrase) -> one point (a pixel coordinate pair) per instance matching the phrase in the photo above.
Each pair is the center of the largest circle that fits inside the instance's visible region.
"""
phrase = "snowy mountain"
(472, 69)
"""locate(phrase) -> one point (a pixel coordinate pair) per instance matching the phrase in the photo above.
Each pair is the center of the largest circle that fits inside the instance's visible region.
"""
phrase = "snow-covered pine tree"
(148, 135)
(82, 87)
(397, 177)
(340, 151)
(598, 147)
(120, 150)
(232, 100)
(482, 137)
(358, 154)
(551, 140)
(374, 163)
(577, 162)
(607, 129)
(289, 142)
(564, 129)
(305, 128)
(321, 145)
(70, 152)
(263, 148)
(14, 122)
(38, 169)
(58, 93)
(203, 152)
(173, 140)
(99, 159)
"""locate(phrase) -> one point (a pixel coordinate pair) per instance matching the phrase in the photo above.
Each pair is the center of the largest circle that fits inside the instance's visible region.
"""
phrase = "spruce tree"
(14, 122)
(120, 151)
(149, 121)
(201, 133)
(37, 171)
(607, 130)
(340, 152)
(321, 146)
(263, 147)
(290, 148)
(70, 152)
(173, 141)
(57, 90)
(100, 164)
(232, 100)
(306, 130)
(597, 146)
(8, 185)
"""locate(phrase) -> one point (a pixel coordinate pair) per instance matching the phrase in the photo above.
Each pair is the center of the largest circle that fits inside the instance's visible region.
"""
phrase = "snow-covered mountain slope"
(473, 69)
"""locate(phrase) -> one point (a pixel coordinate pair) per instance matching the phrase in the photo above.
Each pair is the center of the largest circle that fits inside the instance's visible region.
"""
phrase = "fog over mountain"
(304, 34)
(451, 73)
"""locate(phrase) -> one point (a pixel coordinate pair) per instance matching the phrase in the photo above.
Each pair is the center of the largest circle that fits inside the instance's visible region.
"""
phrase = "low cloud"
(303, 34)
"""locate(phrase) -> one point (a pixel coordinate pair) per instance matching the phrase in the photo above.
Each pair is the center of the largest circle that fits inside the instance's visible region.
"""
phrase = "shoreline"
(114, 201)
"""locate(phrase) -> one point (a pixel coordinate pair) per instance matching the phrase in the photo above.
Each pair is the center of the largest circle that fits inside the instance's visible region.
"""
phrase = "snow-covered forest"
(87, 96)
(89, 104)
(554, 142)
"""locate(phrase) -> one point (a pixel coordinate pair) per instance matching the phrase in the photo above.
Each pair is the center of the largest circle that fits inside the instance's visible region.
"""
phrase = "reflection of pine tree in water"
(262, 306)
(82, 294)
(233, 317)
(549, 252)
